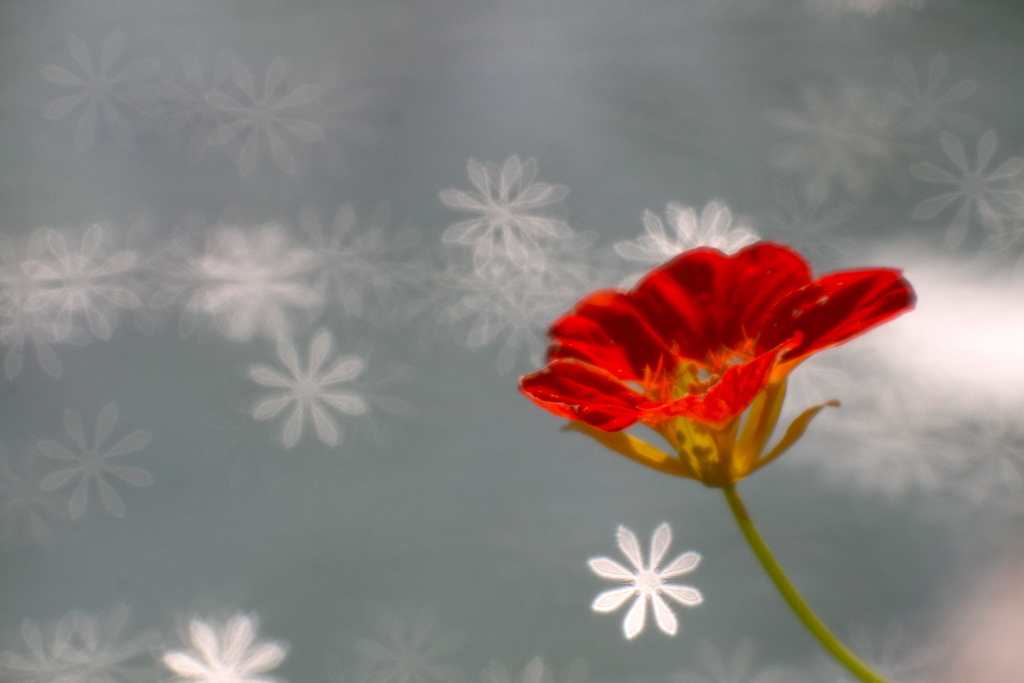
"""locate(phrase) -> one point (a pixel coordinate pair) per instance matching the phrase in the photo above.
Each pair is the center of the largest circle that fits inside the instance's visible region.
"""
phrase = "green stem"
(792, 597)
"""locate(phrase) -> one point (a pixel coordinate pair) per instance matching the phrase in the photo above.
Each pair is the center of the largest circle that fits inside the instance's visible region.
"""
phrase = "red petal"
(835, 309)
(699, 304)
(725, 399)
(578, 391)
(704, 302)
(605, 330)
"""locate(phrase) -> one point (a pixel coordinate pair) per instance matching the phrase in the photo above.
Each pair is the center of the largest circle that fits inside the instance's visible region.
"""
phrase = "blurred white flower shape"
(893, 652)
(80, 283)
(990, 195)
(533, 672)
(21, 325)
(508, 229)
(26, 511)
(867, 7)
(738, 668)
(189, 110)
(513, 307)
(356, 265)
(714, 228)
(80, 649)
(925, 105)
(225, 653)
(92, 463)
(813, 229)
(310, 391)
(111, 95)
(647, 582)
(413, 652)
(246, 281)
(840, 138)
(274, 114)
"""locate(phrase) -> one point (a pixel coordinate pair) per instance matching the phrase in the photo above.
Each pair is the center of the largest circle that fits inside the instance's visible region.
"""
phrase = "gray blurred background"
(261, 171)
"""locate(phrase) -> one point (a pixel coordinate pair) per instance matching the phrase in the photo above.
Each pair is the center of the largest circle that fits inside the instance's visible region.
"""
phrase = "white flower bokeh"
(309, 392)
(115, 98)
(272, 115)
(416, 650)
(249, 281)
(646, 582)
(508, 230)
(81, 648)
(225, 652)
(90, 465)
(714, 228)
(985, 195)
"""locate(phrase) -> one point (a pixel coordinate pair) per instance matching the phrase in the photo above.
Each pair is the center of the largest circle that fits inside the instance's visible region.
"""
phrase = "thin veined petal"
(987, 145)
(664, 616)
(319, 349)
(326, 429)
(136, 476)
(933, 206)
(633, 624)
(684, 595)
(268, 377)
(684, 564)
(630, 546)
(111, 48)
(109, 498)
(933, 174)
(288, 355)
(345, 402)
(205, 640)
(184, 665)
(73, 427)
(55, 480)
(291, 432)
(79, 498)
(344, 369)
(457, 199)
(272, 407)
(611, 600)
(52, 449)
(610, 569)
(660, 541)
(135, 441)
(535, 671)
(238, 634)
(80, 52)
(263, 658)
(955, 150)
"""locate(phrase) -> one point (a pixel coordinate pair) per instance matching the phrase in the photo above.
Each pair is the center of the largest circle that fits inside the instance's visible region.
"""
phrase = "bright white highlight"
(646, 582)
(225, 653)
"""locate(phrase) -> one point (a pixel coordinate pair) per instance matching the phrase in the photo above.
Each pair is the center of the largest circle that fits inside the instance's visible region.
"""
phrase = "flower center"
(647, 581)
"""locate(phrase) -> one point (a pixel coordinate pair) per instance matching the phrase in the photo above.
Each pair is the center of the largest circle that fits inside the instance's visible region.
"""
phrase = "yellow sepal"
(634, 449)
(795, 430)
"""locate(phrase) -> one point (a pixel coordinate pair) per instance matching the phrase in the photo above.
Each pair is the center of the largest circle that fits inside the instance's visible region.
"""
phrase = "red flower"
(700, 350)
